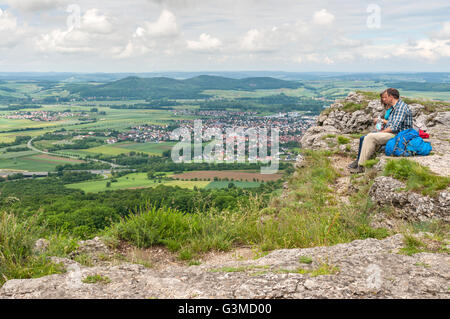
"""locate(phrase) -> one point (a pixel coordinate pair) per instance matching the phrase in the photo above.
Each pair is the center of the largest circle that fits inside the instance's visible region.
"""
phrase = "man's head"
(390, 96)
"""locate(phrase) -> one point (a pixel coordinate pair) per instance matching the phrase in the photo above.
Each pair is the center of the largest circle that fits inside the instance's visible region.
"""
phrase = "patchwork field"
(140, 180)
(33, 161)
(132, 181)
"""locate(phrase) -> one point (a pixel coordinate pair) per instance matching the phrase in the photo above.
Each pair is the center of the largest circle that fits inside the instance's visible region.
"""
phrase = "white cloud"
(11, 33)
(323, 17)
(7, 21)
(93, 22)
(205, 43)
(444, 33)
(90, 36)
(161, 35)
(35, 5)
(165, 26)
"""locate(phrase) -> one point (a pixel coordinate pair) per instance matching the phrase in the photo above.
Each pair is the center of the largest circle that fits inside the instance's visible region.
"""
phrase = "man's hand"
(387, 130)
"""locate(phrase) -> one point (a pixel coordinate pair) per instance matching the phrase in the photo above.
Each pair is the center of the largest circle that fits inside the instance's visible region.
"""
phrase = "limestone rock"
(367, 268)
(413, 206)
(94, 248)
(314, 136)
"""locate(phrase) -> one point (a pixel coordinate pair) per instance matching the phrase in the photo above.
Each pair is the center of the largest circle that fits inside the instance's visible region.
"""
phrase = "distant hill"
(163, 87)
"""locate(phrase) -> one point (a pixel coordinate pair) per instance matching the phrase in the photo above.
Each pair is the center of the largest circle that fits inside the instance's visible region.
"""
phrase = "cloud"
(444, 33)
(205, 43)
(90, 35)
(11, 33)
(162, 34)
(93, 22)
(35, 5)
(7, 21)
(323, 17)
(164, 27)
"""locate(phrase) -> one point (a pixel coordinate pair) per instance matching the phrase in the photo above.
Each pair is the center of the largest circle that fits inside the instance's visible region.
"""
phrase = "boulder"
(412, 206)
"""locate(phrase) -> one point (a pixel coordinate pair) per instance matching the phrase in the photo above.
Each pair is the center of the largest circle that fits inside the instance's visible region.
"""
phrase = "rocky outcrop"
(361, 269)
(338, 120)
(413, 206)
(315, 136)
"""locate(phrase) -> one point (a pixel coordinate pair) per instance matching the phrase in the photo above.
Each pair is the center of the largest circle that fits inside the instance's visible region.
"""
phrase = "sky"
(227, 35)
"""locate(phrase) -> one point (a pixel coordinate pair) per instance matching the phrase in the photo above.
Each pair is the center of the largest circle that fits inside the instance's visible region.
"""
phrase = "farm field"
(131, 181)
(32, 161)
(140, 180)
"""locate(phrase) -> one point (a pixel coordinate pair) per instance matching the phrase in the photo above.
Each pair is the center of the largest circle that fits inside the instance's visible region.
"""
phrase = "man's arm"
(387, 130)
(396, 119)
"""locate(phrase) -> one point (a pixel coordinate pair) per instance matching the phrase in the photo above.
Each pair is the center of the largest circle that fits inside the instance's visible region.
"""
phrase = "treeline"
(22, 106)
(82, 166)
(144, 162)
(18, 140)
(273, 103)
(152, 104)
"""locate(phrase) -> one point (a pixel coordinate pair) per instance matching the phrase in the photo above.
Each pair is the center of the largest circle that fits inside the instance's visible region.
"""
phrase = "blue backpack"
(407, 143)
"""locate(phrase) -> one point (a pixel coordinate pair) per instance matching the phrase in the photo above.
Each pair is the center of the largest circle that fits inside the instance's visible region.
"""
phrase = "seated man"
(383, 123)
(400, 119)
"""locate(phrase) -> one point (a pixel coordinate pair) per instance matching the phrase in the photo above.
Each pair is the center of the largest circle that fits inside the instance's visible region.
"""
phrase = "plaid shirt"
(400, 118)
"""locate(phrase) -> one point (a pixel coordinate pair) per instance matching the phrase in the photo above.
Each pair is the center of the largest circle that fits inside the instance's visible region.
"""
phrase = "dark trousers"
(361, 140)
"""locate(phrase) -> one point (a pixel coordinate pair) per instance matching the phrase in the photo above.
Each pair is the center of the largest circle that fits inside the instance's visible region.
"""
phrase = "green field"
(134, 180)
(140, 180)
(30, 161)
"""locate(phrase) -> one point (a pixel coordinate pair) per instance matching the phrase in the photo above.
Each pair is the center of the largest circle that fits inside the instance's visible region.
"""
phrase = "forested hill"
(162, 87)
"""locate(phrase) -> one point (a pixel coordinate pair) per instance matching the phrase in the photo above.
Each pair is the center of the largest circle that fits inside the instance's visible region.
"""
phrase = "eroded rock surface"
(361, 269)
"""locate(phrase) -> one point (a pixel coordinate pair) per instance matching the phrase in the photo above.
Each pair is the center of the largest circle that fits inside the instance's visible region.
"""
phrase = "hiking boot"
(357, 170)
(353, 164)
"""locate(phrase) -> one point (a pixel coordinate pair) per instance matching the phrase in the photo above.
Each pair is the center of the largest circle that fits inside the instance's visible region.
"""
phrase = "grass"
(412, 246)
(17, 258)
(430, 106)
(305, 260)
(417, 177)
(342, 140)
(323, 269)
(371, 162)
(94, 279)
(351, 107)
(310, 216)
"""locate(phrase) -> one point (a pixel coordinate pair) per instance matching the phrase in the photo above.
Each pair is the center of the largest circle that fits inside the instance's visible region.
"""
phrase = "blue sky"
(227, 35)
